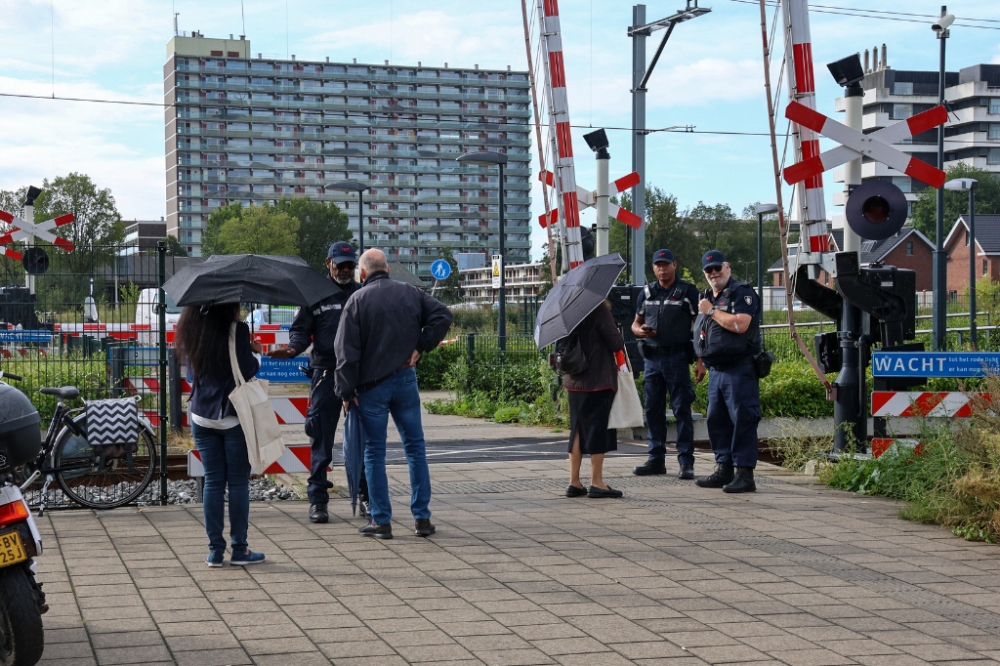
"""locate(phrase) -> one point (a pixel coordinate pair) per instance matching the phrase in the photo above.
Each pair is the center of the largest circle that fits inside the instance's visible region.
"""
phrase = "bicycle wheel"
(103, 482)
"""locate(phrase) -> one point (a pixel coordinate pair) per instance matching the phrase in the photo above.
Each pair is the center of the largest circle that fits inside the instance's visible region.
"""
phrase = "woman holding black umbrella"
(591, 393)
(203, 342)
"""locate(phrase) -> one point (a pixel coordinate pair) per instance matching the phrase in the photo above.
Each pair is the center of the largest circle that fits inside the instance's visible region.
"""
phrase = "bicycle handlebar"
(10, 375)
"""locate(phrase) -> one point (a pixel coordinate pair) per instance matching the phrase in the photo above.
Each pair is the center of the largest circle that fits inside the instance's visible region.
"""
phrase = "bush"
(434, 365)
(88, 375)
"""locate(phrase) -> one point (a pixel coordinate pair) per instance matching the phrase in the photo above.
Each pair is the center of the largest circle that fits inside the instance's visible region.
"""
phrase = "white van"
(146, 315)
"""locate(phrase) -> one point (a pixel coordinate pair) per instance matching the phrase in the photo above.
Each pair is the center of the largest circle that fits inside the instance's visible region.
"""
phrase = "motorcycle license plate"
(11, 549)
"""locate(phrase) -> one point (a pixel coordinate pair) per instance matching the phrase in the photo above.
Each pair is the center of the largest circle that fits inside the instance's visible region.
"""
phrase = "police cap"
(663, 255)
(342, 251)
(712, 258)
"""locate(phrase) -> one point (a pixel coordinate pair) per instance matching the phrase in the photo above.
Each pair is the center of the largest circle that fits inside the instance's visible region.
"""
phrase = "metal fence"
(90, 321)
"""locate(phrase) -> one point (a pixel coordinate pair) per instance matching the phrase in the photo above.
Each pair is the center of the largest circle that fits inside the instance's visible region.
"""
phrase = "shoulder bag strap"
(237, 375)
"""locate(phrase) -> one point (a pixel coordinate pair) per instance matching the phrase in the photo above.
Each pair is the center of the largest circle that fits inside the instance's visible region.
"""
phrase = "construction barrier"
(924, 403)
(295, 461)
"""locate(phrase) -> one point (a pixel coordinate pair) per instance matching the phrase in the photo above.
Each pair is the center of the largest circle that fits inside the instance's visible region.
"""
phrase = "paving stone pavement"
(517, 574)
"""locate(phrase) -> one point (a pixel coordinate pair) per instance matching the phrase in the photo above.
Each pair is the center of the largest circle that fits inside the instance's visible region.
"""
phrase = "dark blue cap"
(663, 255)
(712, 258)
(342, 251)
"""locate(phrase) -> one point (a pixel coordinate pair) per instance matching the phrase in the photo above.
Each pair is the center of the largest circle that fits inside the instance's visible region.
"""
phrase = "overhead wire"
(884, 15)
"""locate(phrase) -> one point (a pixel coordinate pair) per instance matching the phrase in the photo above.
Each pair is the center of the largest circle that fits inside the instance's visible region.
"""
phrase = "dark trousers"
(733, 415)
(321, 427)
(671, 374)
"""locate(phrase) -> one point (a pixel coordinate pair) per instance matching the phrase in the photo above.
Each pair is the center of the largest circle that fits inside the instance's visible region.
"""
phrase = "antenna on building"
(867, 68)
(176, 32)
(885, 59)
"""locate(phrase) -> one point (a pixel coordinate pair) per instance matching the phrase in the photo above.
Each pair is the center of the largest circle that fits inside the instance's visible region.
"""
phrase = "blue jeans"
(224, 455)
(733, 415)
(664, 374)
(398, 396)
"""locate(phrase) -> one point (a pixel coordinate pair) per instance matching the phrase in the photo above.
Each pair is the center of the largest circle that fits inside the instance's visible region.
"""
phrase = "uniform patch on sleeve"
(748, 299)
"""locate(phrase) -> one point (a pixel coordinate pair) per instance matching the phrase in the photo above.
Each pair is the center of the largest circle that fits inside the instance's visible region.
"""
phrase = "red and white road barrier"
(289, 411)
(924, 403)
(810, 205)
(883, 445)
(295, 461)
(551, 38)
(855, 144)
(588, 199)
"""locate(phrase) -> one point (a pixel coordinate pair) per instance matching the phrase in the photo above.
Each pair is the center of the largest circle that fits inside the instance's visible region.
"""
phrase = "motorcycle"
(22, 601)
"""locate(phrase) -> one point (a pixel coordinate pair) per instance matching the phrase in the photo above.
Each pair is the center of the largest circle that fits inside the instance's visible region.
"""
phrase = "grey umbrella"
(249, 278)
(575, 296)
(354, 452)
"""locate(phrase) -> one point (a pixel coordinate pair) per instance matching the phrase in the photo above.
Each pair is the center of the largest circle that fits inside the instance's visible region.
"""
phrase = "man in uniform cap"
(318, 326)
(665, 312)
(727, 339)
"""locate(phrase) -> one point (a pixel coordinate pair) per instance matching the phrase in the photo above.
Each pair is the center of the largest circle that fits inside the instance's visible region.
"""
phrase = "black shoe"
(601, 492)
(743, 483)
(377, 531)
(650, 467)
(686, 472)
(318, 513)
(723, 474)
(423, 528)
(575, 491)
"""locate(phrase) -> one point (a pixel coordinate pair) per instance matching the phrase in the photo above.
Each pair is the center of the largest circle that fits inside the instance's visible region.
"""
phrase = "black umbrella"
(354, 453)
(575, 296)
(249, 278)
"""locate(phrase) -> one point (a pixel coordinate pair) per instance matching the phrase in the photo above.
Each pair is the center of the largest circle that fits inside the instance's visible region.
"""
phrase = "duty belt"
(664, 351)
(729, 366)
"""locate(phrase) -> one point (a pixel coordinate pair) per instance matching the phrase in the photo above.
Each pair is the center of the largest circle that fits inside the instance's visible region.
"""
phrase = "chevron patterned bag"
(113, 426)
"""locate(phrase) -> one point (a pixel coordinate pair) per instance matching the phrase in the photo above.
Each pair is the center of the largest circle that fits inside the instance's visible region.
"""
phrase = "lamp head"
(598, 142)
(765, 209)
(961, 184)
(348, 185)
(32, 194)
(941, 25)
(483, 158)
(847, 71)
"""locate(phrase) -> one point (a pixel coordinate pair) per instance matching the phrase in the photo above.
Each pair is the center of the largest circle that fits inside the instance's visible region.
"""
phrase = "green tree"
(97, 226)
(320, 226)
(174, 247)
(923, 214)
(210, 240)
(259, 230)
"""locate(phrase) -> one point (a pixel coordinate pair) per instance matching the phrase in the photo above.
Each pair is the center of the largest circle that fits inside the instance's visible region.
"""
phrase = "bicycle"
(103, 477)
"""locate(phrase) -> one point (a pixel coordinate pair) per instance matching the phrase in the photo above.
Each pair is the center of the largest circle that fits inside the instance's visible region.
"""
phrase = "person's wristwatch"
(710, 312)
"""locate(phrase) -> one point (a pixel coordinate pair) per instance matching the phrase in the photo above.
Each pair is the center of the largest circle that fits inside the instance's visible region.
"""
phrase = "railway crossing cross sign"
(23, 230)
(588, 199)
(856, 144)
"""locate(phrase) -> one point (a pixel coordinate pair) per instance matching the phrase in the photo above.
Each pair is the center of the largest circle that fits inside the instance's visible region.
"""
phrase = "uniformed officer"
(663, 319)
(318, 326)
(727, 339)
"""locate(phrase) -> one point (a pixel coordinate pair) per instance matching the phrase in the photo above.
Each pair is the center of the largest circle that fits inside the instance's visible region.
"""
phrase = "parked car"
(271, 315)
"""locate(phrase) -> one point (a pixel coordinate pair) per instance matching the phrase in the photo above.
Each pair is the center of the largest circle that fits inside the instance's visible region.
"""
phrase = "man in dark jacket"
(318, 326)
(385, 328)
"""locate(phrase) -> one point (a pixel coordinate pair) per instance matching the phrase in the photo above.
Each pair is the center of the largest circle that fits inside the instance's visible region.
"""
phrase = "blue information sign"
(440, 269)
(283, 371)
(935, 364)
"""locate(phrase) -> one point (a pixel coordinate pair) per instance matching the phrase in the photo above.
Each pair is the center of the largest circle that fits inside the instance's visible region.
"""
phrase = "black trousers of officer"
(321, 427)
(733, 415)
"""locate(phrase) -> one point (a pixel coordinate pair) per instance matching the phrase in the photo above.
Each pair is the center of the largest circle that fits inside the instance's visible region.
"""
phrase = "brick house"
(908, 248)
(956, 246)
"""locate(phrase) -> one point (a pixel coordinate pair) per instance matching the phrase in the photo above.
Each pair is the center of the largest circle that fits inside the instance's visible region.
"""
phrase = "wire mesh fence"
(89, 321)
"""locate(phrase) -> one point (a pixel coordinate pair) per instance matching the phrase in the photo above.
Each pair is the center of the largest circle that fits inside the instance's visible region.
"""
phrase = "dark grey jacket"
(382, 323)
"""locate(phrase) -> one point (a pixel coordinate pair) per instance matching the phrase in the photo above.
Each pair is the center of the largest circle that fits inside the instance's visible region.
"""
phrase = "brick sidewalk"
(518, 574)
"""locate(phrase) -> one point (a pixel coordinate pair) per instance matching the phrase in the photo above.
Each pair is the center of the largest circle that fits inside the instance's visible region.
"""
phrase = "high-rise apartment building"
(250, 129)
(971, 135)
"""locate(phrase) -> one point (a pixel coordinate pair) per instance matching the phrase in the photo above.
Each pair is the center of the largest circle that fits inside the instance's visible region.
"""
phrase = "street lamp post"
(488, 159)
(940, 321)
(761, 210)
(969, 184)
(355, 186)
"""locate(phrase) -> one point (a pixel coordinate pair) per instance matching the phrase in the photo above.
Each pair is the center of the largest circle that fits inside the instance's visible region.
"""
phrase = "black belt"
(665, 351)
(729, 366)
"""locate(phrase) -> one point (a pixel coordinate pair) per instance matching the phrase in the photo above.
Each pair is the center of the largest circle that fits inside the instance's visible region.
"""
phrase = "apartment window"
(953, 296)
(966, 238)
(909, 248)
(902, 111)
(985, 267)
(902, 88)
(993, 156)
(903, 183)
(995, 106)
(993, 134)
